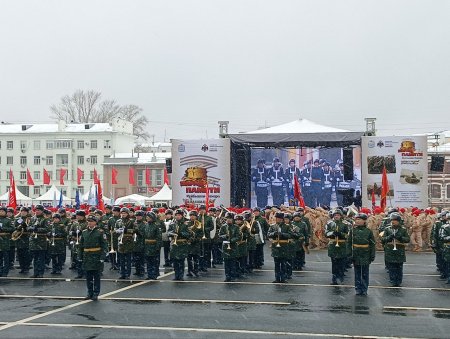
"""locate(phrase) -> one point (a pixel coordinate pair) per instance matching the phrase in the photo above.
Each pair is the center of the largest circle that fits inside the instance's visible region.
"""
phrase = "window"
(140, 178)
(435, 191)
(23, 175)
(80, 144)
(49, 160)
(23, 145)
(62, 159)
(36, 175)
(50, 174)
(37, 144)
(91, 175)
(63, 144)
(9, 160)
(0, 144)
(448, 191)
(106, 157)
(93, 144)
(0, 160)
(23, 161)
(7, 174)
(9, 145)
(80, 190)
(80, 160)
(93, 159)
(158, 175)
(37, 160)
(50, 144)
(37, 190)
(107, 144)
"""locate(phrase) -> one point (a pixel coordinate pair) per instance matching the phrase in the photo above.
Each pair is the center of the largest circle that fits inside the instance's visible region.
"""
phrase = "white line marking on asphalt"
(413, 308)
(38, 316)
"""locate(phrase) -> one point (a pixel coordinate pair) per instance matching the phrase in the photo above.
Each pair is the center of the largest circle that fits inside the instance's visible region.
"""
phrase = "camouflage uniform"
(6, 228)
(230, 234)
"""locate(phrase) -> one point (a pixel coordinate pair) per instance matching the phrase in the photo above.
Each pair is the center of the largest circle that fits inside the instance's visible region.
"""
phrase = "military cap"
(279, 215)
(124, 210)
(108, 207)
(292, 160)
(256, 209)
(300, 209)
(92, 208)
(92, 218)
(392, 210)
(296, 214)
(3, 208)
(131, 209)
(139, 213)
(316, 161)
(395, 216)
(247, 215)
(202, 207)
(151, 215)
(362, 216)
(39, 208)
(337, 211)
(168, 212)
(195, 213)
(212, 209)
(24, 209)
(97, 211)
(47, 212)
(239, 217)
(229, 215)
(56, 215)
(62, 210)
(144, 208)
(260, 161)
(179, 211)
(155, 210)
(10, 210)
(116, 209)
(80, 213)
(287, 216)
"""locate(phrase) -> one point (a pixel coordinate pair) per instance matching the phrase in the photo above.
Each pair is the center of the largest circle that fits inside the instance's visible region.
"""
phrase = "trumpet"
(53, 236)
(135, 237)
(395, 245)
(229, 238)
(112, 244)
(337, 237)
(78, 238)
(278, 238)
(175, 235)
(203, 227)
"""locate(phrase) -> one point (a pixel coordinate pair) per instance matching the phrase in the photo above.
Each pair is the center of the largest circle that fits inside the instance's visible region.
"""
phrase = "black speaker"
(437, 163)
(169, 165)
(348, 163)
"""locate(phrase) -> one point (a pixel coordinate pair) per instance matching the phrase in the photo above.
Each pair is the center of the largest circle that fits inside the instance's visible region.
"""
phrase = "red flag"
(100, 203)
(114, 173)
(131, 176)
(148, 180)
(96, 179)
(80, 174)
(207, 195)
(46, 177)
(373, 199)
(62, 173)
(298, 192)
(384, 188)
(30, 180)
(12, 199)
(166, 176)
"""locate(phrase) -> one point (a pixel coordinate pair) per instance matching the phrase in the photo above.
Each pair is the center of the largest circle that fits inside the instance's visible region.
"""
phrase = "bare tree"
(87, 106)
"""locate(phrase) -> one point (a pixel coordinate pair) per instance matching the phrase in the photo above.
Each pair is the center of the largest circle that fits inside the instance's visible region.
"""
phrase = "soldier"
(165, 238)
(444, 237)
(339, 184)
(292, 173)
(302, 243)
(427, 225)
(6, 228)
(328, 183)
(416, 230)
(336, 231)
(124, 227)
(48, 258)
(229, 234)
(260, 176)
(180, 235)
(22, 243)
(57, 236)
(242, 250)
(38, 241)
(437, 245)
(280, 234)
(291, 246)
(152, 239)
(138, 244)
(113, 255)
(316, 184)
(276, 174)
(160, 223)
(193, 258)
(215, 249)
(251, 240)
(361, 246)
(309, 231)
(306, 182)
(207, 227)
(65, 220)
(12, 244)
(395, 239)
(93, 248)
(260, 228)
(75, 232)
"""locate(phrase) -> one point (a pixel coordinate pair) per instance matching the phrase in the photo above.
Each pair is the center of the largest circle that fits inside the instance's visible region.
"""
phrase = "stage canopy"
(136, 199)
(301, 132)
(164, 195)
(22, 199)
(53, 194)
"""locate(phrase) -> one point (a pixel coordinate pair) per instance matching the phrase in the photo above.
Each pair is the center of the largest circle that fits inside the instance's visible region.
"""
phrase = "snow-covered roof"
(165, 194)
(55, 128)
(298, 126)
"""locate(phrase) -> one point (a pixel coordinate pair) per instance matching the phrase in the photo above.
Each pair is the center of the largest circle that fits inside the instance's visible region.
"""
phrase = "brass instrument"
(175, 235)
(395, 245)
(337, 237)
(112, 251)
(53, 236)
(16, 234)
(229, 238)
(121, 236)
(203, 227)
(78, 238)
(278, 238)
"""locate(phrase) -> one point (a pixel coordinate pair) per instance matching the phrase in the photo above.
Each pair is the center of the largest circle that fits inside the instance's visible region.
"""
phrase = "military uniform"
(337, 231)
(437, 245)
(76, 229)
(207, 227)
(195, 246)
(316, 185)
(12, 244)
(309, 231)
(444, 237)
(361, 247)
(165, 238)
(124, 226)
(179, 232)
(229, 234)
(328, 183)
(93, 248)
(292, 245)
(242, 248)
(23, 243)
(114, 243)
(38, 241)
(216, 251)
(260, 176)
(6, 228)
(301, 243)
(306, 183)
(138, 245)
(395, 239)
(276, 174)
(57, 237)
(151, 234)
(260, 240)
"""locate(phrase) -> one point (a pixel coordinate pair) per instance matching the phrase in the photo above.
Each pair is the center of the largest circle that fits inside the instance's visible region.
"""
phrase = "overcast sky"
(189, 64)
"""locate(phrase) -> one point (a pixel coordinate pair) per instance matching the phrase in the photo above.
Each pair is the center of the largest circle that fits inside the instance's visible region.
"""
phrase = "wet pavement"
(308, 306)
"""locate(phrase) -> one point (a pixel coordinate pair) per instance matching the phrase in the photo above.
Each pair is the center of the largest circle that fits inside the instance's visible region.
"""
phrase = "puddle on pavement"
(439, 314)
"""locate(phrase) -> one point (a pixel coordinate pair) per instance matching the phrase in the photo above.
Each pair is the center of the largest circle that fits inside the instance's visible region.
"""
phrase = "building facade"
(439, 181)
(56, 146)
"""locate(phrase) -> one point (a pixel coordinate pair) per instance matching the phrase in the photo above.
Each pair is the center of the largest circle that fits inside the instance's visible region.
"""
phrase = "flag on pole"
(30, 180)
(80, 174)
(96, 178)
(60, 199)
(100, 203)
(131, 176)
(54, 199)
(384, 188)
(207, 195)
(46, 177)
(166, 176)
(298, 192)
(114, 173)
(12, 198)
(77, 199)
(148, 180)
(62, 173)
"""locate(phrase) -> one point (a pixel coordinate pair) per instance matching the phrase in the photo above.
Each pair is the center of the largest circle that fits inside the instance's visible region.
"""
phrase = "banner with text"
(198, 165)
(406, 162)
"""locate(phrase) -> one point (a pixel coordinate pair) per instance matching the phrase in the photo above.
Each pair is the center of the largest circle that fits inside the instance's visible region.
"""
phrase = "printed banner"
(406, 163)
(198, 165)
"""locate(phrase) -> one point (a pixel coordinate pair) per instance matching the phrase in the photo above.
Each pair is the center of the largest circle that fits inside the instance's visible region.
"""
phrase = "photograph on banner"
(326, 176)
(198, 166)
(406, 162)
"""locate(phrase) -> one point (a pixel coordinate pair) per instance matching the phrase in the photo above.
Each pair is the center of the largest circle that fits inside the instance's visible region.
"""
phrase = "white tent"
(21, 198)
(91, 194)
(164, 195)
(52, 194)
(136, 199)
(298, 126)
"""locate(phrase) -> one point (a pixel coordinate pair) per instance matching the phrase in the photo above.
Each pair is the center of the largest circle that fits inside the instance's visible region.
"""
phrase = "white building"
(59, 145)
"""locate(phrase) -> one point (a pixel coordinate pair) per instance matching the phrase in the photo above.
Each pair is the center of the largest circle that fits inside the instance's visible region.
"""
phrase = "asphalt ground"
(308, 306)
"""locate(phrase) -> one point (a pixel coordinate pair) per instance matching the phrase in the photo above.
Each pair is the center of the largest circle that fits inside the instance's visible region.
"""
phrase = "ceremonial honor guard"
(276, 174)
(302, 243)
(195, 227)
(263, 228)
(328, 182)
(124, 227)
(361, 245)
(65, 220)
(306, 182)
(336, 231)
(152, 239)
(38, 241)
(260, 176)
(292, 173)
(253, 226)
(229, 234)
(138, 243)
(75, 232)
(444, 237)
(21, 238)
(93, 249)
(57, 237)
(207, 227)
(316, 184)
(180, 235)
(215, 243)
(395, 238)
(6, 228)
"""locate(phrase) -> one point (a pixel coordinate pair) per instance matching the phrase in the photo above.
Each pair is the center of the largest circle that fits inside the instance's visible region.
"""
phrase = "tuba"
(16, 235)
